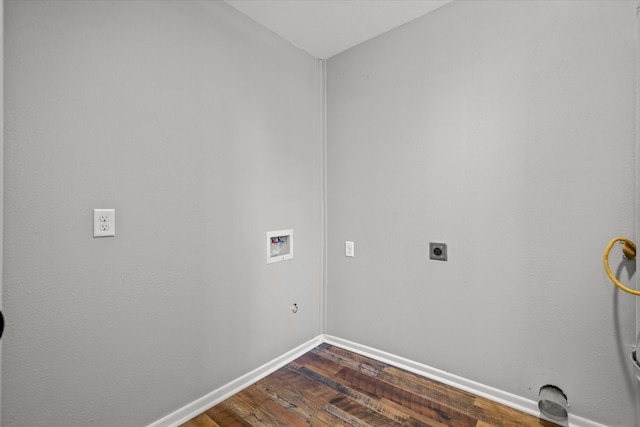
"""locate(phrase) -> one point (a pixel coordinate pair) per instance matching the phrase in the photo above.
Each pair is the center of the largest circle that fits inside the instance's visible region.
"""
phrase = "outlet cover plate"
(104, 222)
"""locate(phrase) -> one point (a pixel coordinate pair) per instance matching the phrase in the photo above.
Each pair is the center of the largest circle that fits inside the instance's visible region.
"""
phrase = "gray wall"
(203, 131)
(507, 130)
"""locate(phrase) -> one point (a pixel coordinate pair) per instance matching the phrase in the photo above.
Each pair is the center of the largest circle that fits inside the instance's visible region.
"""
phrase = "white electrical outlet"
(104, 222)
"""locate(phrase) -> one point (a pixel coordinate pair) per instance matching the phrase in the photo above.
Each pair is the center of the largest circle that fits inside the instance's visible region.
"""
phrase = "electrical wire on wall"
(629, 251)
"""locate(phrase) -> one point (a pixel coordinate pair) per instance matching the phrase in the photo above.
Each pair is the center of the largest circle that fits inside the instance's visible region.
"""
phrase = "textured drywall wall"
(202, 130)
(507, 130)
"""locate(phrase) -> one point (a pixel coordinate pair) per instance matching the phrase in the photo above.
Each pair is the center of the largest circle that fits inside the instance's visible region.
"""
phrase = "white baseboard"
(508, 399)
(200, 405)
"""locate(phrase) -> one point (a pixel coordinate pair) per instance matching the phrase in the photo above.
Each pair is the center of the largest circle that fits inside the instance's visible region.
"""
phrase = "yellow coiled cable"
(629, 250)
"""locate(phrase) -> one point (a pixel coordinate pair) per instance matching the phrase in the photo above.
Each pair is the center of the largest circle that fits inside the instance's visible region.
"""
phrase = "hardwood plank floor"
(330, 386)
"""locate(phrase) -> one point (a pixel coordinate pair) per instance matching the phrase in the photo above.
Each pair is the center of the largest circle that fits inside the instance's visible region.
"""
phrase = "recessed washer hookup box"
(279, 246)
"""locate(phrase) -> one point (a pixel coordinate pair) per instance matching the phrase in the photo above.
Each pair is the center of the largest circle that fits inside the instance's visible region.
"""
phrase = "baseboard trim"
(508, 399)
(200, 405)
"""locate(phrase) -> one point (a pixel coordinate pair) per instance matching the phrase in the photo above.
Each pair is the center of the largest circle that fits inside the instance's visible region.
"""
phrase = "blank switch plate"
(104, 222)
(349, 249)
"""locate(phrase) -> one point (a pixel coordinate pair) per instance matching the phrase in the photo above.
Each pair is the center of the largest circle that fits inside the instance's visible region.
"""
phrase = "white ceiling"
(324, 28)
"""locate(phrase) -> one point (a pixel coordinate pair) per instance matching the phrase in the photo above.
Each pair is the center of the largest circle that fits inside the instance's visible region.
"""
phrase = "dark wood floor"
(330, 386)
